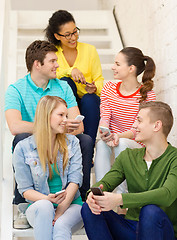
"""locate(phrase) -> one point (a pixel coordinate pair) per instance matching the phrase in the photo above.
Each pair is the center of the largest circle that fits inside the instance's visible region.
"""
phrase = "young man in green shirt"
(151, 175)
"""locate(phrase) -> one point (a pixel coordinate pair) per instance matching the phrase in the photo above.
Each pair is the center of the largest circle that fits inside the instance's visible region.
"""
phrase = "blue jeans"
(153, 224)
(86, 144)
(89, 106)
(41, 214)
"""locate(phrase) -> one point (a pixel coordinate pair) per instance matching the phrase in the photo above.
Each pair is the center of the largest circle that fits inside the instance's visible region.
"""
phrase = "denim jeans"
(89, 106)
(41, 214)
(153, 224)
(103, 158)
(86, 145)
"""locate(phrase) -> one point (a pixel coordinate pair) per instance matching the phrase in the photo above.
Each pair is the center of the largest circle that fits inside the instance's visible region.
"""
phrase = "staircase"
(97, 28)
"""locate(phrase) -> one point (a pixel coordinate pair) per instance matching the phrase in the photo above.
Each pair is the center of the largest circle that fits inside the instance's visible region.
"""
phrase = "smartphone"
(105, 129)
(80, 117)
(87, 83)
(57, 193)
(97, 191)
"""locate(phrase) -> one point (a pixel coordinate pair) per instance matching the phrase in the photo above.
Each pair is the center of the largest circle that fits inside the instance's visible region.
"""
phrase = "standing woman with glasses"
(79, 65)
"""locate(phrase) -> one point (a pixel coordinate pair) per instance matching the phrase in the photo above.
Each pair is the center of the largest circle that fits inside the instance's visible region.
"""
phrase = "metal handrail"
(118, 28)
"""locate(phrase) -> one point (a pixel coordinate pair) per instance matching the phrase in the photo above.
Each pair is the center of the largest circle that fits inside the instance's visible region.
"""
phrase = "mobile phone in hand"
(58, 193)
(97, 191)
(80, 117)
(105, 129)
(87, 83)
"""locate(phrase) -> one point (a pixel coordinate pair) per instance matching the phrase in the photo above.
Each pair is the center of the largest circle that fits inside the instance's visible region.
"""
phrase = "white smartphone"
(57, 193)
(80, 117)
(105, 129)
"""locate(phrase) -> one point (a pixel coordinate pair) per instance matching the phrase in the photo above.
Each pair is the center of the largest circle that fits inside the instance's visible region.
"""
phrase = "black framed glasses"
(68, 36)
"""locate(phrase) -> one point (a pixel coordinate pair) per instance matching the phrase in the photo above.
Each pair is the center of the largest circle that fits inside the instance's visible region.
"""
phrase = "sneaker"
(22, 207)
(21, 221)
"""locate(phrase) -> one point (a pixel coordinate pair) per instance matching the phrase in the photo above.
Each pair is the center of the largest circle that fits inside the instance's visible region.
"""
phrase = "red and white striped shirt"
(117, 111)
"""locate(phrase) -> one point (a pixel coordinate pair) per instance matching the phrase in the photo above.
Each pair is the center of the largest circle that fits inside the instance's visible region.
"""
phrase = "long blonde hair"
(43, 136)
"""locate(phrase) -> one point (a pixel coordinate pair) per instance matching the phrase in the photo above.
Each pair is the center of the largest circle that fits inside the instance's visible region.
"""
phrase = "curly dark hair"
(58, 19)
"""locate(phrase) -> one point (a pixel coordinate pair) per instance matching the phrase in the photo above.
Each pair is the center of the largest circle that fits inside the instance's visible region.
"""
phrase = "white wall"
(4, 9)
(152, 26)
(60, 4)
(54, 4)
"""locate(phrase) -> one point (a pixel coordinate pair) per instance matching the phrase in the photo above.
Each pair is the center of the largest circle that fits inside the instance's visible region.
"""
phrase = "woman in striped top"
(120, 104)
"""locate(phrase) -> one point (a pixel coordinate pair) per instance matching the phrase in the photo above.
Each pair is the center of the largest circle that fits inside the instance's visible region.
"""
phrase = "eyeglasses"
(68, 36)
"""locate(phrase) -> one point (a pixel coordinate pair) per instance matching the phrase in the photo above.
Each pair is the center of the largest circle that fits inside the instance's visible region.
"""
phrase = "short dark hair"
(160, 111)
(58, 19)
(37, 50)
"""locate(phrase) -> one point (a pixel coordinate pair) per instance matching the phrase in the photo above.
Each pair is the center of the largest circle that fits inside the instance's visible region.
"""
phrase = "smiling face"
(48, 69)
(120, 68)
(58, 116)
(65, 30)
(145, 128)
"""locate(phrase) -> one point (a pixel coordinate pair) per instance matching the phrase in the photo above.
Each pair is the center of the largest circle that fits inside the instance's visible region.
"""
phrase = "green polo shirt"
(24, 95)
(158, 185)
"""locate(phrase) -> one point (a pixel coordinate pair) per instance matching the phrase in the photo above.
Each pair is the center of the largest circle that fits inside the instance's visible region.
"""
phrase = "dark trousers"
(153, 224)
(86, 144)
(89, 106)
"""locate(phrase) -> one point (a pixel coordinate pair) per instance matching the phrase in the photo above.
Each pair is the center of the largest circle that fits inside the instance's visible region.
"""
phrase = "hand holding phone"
(87, 83)
(80, 117)
(105, 129)
(57, 193)
(97, 191)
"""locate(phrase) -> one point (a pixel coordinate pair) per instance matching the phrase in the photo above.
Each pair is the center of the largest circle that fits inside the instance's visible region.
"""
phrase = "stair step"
(106, 66)
(97, 41)
(106, 56)
(29, 232)
(84, 19)
(23, 232)
(40, 32)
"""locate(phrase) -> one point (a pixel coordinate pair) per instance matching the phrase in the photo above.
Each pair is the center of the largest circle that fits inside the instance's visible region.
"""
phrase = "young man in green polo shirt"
(151, 174)
(21, 101)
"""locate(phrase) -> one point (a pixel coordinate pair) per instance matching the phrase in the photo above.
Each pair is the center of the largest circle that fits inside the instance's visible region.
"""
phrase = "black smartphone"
(97, 191)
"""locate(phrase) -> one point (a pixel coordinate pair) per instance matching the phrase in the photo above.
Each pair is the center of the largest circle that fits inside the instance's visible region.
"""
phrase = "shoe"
(22, 207)
(21, 221)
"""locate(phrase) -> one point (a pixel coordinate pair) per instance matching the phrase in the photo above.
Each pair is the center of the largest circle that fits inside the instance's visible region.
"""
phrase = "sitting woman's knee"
(44, 206)
(123, 142)
(85, 140)
(101, 144)
(91, 98)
